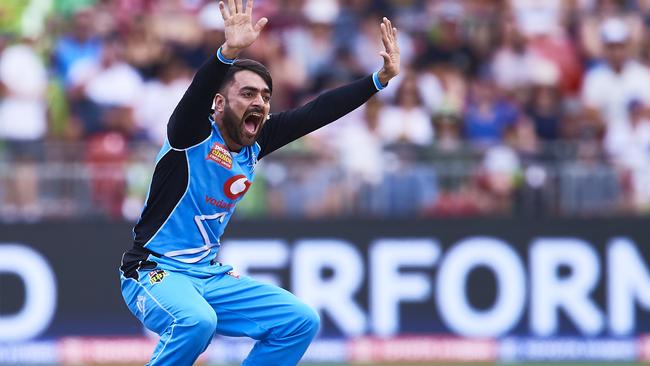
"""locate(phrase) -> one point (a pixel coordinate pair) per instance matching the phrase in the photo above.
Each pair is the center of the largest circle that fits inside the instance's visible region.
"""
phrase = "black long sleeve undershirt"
(189, 123)
(285, 127)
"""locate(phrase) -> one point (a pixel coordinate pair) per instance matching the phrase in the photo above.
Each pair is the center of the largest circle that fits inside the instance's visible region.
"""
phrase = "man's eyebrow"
(254, 89)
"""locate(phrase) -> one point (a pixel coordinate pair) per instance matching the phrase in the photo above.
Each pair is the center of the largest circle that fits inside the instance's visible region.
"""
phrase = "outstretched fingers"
(224, 11)
(384, 36)
(388, 35)
(390, 53)
(249, 7)
(260, 24)
(391, 36)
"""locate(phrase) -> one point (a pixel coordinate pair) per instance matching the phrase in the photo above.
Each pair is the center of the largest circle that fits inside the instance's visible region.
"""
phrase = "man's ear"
(219, 103)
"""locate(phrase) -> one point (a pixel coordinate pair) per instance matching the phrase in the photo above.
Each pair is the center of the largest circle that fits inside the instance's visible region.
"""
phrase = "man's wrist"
(380, 80)
(226, 54)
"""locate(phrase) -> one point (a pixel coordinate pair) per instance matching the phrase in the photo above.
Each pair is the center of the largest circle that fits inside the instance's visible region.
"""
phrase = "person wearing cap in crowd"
(609, 87)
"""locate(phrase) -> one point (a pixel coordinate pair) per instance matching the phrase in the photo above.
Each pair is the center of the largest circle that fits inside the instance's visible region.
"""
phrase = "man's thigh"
(246, 307)
(159, 297)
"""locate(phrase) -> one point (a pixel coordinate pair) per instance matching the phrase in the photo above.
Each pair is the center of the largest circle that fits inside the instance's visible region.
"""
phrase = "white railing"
(409, 182)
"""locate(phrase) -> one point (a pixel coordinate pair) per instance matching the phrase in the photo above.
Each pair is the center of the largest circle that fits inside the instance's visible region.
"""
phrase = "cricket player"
(170, 278)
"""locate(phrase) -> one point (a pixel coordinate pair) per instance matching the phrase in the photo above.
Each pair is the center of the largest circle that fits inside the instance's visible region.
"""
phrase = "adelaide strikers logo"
(236, 186)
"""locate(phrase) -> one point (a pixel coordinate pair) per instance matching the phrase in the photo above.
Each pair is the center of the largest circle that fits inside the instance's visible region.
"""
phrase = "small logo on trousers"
(156, 276)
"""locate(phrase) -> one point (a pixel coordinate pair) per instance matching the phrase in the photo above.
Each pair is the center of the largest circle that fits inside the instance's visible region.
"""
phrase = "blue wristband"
(375, 80)
(223, 58)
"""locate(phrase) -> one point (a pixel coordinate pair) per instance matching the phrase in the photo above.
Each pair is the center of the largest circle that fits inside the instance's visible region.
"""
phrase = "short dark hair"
(250, 65)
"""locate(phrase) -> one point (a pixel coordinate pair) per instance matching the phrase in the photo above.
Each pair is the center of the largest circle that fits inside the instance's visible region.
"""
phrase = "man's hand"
(239, 29)
(390, 53)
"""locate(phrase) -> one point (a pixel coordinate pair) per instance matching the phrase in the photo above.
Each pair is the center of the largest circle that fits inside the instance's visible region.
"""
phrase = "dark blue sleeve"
(189, 123)
(285, 127)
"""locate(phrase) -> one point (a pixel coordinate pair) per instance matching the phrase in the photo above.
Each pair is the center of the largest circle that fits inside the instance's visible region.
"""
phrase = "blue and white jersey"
(214, 180)
(198, 181)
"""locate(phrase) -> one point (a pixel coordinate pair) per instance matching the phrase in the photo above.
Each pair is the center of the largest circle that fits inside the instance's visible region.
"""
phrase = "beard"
(234, 125)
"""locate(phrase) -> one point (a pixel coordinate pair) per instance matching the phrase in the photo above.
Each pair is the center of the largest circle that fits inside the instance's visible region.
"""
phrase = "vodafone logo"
(236, 186)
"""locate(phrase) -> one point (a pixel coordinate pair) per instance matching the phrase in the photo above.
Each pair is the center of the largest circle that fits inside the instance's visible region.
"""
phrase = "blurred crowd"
(541, 96)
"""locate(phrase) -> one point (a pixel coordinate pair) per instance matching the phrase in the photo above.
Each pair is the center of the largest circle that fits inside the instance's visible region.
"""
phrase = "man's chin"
(248, 140)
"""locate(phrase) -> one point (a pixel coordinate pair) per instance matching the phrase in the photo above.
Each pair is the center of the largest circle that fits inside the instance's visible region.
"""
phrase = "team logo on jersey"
(156, 276)
(221, 155)
(236, 186)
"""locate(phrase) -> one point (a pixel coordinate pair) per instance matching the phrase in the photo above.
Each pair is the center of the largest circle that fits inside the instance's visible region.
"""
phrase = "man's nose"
(258, 100)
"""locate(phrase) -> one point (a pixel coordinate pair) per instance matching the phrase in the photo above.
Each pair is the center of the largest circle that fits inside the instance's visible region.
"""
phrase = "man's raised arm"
(189, 123)
(287, 126)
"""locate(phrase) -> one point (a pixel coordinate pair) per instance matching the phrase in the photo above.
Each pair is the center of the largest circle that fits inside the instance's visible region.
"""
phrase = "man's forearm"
(287, 126)
(189, 124)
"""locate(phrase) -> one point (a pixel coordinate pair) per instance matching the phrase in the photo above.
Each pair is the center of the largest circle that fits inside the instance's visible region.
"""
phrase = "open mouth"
(252, 123)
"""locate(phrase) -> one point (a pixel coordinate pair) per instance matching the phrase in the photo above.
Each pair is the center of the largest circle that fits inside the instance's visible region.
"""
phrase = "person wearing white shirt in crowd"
(628, 144)
(610, 87)
(513, 62)
(23, 125)
(408, 120)
(110, 85)
(158, 98)
(363, 130)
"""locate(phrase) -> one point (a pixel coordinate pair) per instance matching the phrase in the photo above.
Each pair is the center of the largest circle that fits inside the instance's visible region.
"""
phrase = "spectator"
(23, 125)
(446, 45)
(448, 131)
(106, 159)
(514, 61)
(80, 44)
(104, 93)
(211, 37)
(523, 139)
(487, 117)
(312, 46)
(538, 17)
(499, 177)
(610, 87)
(431, 90)
(143, 49)
(628, 145)
(407, 121)
(364, 164)
(159, 97)
(593, 19)
(546, 112)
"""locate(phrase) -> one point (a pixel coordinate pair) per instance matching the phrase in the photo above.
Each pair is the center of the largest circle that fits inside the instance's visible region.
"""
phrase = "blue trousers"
(187, 307)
